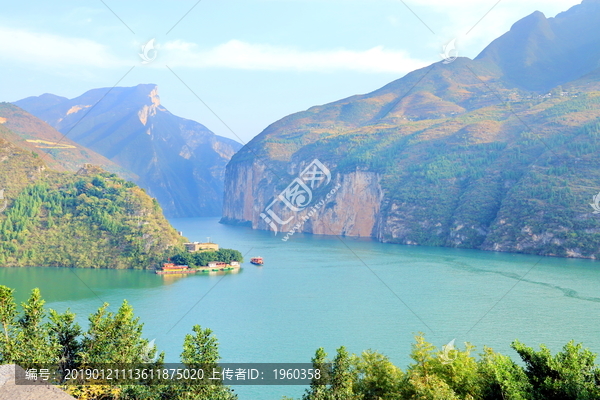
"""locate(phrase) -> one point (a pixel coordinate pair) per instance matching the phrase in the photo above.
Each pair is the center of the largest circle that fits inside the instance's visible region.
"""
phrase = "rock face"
(243, 198)
(331, 209)
(178, 161)
(459, 155)
(353, 209)
(14, 386)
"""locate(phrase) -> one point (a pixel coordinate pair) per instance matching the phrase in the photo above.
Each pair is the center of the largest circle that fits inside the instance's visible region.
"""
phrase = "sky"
(237, 66)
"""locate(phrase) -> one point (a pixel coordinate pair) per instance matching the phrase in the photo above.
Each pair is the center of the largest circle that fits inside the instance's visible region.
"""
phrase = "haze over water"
(316, 291)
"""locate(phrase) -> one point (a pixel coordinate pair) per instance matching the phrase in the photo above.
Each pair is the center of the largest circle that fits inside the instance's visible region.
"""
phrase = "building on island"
(219, 264)
(213, 266)
(170, 268)
(216, 264)
(199, 247)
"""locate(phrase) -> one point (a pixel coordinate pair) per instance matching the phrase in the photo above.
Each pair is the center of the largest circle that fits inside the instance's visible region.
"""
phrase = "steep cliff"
(450, 155)
(332, 209)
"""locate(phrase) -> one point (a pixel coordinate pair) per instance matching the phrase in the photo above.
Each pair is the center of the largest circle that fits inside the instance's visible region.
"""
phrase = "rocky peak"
(149, 110)
(540, 53)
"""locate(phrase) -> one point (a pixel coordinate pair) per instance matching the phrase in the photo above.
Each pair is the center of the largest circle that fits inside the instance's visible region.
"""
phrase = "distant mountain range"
(178, 161)
(497, 153)
(541, 53)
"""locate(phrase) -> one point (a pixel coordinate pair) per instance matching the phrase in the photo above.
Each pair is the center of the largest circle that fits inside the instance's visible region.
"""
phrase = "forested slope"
(455, 155)
(91, 218)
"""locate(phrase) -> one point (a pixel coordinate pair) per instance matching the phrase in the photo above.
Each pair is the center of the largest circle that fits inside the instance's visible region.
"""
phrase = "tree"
(377, 377)
(229, 255)
(342, 376)
(421, 381)
(501, 378)
(65, 331)
(36, 343)
(33, 337)
(114, 338)
(337, 379)
(458, 369)
(569, 375)
(202, 258)
(9, 351)
(318, 389)
(24, 339)
(183, 258)
(201, 350)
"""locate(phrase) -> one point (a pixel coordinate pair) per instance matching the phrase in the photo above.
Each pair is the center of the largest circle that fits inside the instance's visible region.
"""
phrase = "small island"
(202, 258)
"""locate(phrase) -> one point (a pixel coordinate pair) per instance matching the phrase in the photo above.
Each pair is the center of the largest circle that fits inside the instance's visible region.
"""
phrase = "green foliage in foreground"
(201, 259)
(456, 375)
(35, 335)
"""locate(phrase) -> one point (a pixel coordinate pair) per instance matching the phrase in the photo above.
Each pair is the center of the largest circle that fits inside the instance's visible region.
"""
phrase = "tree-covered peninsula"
(91, 218)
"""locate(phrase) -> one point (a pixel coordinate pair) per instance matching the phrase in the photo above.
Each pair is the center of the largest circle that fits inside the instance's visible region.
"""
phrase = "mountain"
(540, 53)
(60, 153)
(41, 103)
(90, 218)
(178, 161)
(459, 155)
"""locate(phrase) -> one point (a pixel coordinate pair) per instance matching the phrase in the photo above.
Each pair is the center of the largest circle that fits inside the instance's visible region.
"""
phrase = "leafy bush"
(201, 259)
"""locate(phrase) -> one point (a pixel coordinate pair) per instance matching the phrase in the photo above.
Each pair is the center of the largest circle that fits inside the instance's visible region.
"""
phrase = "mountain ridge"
(59, 152)
(540, 53)
(454, 155)
(178, 161)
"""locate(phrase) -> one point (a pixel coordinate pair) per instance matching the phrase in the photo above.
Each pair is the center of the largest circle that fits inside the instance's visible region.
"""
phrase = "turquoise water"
(317, 291)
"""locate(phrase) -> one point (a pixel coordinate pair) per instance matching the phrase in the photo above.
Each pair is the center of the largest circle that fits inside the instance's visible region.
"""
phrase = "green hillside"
(497, 153)
(60, 153)
(91, 218)
(461, 159)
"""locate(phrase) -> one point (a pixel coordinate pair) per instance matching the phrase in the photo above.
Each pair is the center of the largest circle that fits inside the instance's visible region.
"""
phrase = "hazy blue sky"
(251, 61)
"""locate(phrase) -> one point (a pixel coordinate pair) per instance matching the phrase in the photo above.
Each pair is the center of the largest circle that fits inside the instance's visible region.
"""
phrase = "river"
(318, 291)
